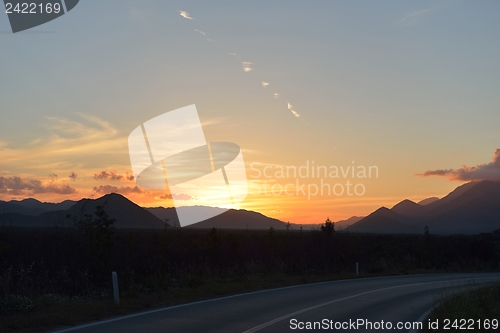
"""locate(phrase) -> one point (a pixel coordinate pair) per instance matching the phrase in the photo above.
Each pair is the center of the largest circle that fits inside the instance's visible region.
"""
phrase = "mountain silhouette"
(126, 213)
(342, 224)
(383, 221)
(44, 206)
(33, 213)
(427, 201)
(226, 218)
(408, 208)
(471, 208)
(32, 206)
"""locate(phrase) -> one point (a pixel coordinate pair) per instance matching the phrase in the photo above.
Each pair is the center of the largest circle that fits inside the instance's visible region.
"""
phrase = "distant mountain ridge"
(32, 206)
(427, 201)
(342, 224)
(227, 218)
(471, 208)
(33, 213)
(408, 208)
(126, 213)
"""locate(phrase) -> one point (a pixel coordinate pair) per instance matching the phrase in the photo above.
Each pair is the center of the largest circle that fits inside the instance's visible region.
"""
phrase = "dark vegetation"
(477, 310)
(43, 267)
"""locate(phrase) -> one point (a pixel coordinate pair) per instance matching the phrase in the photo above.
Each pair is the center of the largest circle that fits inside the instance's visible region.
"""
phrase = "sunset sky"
(411, 88)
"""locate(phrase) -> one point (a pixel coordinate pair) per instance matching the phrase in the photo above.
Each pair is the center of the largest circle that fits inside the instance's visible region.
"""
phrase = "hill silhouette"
(407, 208)
(32, 206)
(384, 221)
(32, 213)
(228, 218)
(126, 213)
(342, 224)
(427, 201)
(471, 208)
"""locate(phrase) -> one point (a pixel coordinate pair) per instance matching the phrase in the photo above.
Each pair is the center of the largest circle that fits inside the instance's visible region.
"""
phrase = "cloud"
(200, 32)
(276, 95)
(265, 84)
(113, 175)
(413, 17)
(295, 113)
(106, 189)
(73, 176)
(90, 142)
(185, 15)
(485, 171)
(66, 128)
(181, 196)
(246, 66)
(19, 186)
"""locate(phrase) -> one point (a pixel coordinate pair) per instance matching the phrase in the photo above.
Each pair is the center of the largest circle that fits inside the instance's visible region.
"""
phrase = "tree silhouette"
(99, 232)
(328, 228)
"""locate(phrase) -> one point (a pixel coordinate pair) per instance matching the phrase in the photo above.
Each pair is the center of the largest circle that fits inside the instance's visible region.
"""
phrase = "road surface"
(392, 299)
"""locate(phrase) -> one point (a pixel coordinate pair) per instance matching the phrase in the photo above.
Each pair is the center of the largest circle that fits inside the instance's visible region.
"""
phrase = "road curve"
(391, 299)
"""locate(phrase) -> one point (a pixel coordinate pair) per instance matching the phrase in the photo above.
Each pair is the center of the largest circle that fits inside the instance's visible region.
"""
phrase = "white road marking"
(421, 320)
(74, 328)
(199, 302)
(274, 321)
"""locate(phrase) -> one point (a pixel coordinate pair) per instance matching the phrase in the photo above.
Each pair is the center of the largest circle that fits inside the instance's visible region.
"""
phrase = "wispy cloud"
(65, 139)
(106, 189)
(73, 176)
(485, 171)
(113, 175)
(415, 16)
(185, 15)
(69, 147)
(295, 113)
(181, 196)
(20, 186)
(246, 66)
(52, 177)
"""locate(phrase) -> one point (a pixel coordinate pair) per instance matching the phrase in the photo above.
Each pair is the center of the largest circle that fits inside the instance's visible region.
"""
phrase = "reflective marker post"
(116, 294)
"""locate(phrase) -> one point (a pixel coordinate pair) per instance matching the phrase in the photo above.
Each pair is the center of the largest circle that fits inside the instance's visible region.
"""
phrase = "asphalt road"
(391, 299)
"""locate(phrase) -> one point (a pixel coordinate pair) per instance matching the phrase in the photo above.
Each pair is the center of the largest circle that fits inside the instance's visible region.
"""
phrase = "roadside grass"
(64, 312)
(465, 309)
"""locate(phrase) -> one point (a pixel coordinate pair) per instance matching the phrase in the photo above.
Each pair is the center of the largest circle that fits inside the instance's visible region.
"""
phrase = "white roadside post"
(116, 293)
